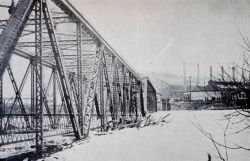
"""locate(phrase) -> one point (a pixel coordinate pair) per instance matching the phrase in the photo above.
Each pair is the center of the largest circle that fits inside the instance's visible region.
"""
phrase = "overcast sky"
(158, 35)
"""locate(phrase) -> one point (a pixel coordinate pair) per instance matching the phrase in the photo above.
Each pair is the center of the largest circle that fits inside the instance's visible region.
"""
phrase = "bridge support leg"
(91, 90)
(79, 76)
(54, 97)
(39, 78)
(101, 94)
(114, 88)
(1, 104)
(32, 92)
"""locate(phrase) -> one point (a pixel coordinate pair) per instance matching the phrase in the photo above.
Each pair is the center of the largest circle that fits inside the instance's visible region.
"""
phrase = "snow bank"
(175, 140)
(154, 119)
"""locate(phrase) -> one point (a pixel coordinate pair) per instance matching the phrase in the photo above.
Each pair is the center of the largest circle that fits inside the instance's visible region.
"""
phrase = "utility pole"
(184, 75)
(198, 74)
(190, 90)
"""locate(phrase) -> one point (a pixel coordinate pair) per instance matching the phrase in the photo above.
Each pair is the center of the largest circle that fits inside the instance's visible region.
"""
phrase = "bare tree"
(234, 87)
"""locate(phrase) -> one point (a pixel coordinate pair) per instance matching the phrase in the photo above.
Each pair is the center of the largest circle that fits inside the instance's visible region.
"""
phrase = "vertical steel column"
(124, 92)
(32, 97)
(91, 90)
(107, 83)
(39, 78)
(1, 103)
(79, 76)
(134, 98)
(137, 97)
(114, 87)
(141, 100)
(54, 96)
(130, 106)
(101, 93)
(119, 91)
(127, 92)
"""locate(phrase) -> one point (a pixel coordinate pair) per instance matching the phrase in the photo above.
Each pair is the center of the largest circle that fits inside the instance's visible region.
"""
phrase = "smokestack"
(233, 73)
(198, 74)
(184, 74)
(243, 65)
(222, 73)
(211, 72)
(243, 76)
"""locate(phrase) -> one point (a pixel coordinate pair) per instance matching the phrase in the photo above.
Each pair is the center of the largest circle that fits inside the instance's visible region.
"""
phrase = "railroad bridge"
(72, 74)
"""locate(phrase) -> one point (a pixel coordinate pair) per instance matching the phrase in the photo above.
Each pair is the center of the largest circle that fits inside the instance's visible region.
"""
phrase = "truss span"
(76, 80)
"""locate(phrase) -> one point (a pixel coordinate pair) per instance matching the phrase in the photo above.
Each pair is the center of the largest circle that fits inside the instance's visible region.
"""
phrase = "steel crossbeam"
(32, 21)
(48, 43)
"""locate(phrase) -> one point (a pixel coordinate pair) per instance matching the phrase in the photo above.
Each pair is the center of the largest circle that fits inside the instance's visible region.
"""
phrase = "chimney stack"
(184, 74)
(211, 72)
(222, 73)
(198, 74)
(233, 74)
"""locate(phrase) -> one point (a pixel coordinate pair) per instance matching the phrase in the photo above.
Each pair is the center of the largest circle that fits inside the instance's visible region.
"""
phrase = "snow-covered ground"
(178, 139)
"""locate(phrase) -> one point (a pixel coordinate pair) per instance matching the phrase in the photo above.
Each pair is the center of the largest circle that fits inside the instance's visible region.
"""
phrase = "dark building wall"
(149, 94)
(151, 98)
(164, 104)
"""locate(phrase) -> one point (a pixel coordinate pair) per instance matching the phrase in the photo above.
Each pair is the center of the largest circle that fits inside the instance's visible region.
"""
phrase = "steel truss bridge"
(74, 76)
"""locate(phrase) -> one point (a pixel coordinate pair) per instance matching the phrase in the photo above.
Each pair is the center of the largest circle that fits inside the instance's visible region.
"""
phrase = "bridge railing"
(17, 131)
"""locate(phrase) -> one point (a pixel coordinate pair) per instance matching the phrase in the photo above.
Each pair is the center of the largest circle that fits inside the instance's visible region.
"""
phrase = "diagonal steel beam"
(11, 33)
(71, 11)
(107, 83)
(60, 68)
(18, 95)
